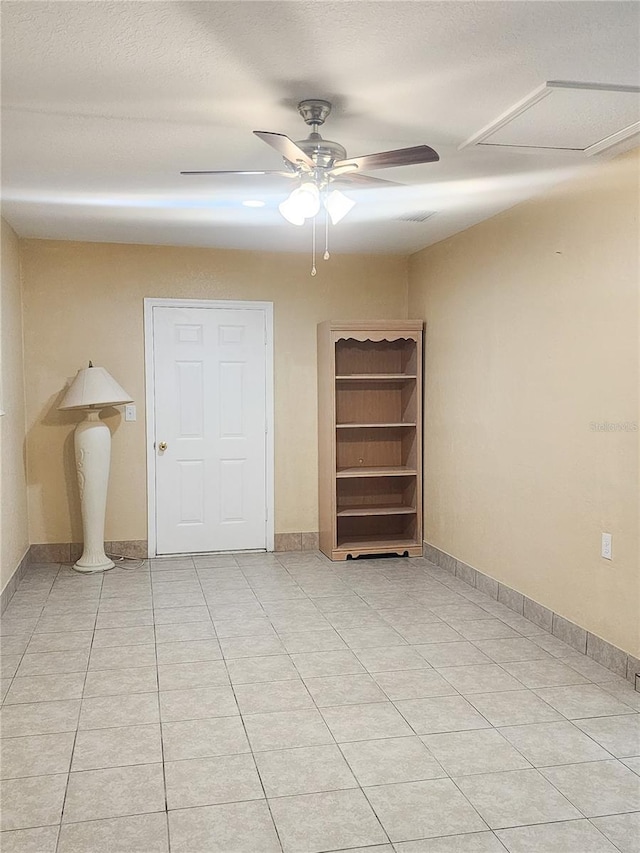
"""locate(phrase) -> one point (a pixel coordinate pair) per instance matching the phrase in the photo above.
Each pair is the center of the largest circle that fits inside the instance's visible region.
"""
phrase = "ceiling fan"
(321, 161)
(317, 164)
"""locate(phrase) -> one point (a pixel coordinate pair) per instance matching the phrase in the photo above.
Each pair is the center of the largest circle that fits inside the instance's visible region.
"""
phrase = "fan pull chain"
(313, 246)
(326, 255)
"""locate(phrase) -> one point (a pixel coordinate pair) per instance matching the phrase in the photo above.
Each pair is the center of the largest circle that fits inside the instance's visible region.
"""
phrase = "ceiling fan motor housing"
(323, 152)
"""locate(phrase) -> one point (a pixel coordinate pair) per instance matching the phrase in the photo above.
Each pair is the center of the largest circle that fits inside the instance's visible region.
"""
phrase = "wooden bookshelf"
(370, 438)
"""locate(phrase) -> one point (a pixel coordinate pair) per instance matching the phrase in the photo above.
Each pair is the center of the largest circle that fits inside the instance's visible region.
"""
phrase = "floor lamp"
(93, 389)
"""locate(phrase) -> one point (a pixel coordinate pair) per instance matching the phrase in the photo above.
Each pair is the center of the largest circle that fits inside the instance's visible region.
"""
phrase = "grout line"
(162, 756)
(113, 817)
(616, 846)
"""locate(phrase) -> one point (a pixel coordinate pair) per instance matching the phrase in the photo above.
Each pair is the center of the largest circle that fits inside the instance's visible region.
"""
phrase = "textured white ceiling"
(104, 103)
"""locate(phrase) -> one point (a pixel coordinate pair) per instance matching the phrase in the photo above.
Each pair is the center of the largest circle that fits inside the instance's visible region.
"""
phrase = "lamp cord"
(121, 559)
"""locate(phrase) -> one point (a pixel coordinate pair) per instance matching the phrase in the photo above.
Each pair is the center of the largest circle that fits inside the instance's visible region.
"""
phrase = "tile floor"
(261, 703)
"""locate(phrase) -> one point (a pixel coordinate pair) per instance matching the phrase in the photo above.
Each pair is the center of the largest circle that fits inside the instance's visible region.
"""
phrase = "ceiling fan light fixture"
(303, 203)
(306, 197)
(338, 205)
(290, 212)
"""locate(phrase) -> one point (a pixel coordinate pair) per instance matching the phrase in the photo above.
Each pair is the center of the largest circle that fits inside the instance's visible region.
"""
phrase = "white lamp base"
(93, 454)
(98, 567)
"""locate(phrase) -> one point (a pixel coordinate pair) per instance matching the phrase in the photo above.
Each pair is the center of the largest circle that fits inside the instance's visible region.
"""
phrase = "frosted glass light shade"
(94, 387)
(338, 205)
(307, 199)
(303, 203)
(288, 209)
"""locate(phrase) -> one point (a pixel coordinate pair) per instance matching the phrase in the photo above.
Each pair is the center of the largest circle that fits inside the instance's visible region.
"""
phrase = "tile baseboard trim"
(69, 552)
(12, 584)
(296, 542)
(579, 638)
(136, 549)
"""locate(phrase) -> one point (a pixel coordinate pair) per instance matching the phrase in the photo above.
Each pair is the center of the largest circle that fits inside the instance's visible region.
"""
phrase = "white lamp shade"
(338, 205)
(288, 209)
(303, 203)
(94, 387)
(307, 199)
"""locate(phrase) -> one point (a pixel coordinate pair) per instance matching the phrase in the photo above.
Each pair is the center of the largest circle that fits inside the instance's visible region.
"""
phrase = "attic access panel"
(587, 117)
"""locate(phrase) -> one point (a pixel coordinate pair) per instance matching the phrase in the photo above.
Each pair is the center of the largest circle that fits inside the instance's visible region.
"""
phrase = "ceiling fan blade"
(236, 172)
(286, 147)
(385, 159)
(356, 179)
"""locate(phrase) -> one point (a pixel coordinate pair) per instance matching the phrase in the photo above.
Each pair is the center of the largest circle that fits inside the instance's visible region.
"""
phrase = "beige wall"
(532, 337)
(84, 301)
(14, 539)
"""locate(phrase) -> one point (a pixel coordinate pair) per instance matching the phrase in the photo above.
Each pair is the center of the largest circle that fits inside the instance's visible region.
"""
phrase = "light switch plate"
(130, 412)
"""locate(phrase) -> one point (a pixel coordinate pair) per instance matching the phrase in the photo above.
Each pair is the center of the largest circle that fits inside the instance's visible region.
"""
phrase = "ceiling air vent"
(417, 216)
(561, 115)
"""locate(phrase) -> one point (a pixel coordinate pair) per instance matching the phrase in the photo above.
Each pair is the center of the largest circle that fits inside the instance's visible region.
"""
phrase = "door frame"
(267, 308)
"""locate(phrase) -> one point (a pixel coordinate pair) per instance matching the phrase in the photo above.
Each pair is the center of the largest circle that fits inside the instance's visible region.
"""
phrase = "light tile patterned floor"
(263, 703)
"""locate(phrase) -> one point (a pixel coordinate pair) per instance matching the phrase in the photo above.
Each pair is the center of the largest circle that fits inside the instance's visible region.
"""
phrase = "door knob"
(162, 445)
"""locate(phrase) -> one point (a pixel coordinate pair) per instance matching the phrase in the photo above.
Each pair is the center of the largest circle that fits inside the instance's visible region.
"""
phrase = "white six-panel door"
(209, 374)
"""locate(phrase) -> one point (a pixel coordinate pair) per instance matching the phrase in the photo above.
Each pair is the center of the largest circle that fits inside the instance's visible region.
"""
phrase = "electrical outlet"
(130, 412)
(606, 546)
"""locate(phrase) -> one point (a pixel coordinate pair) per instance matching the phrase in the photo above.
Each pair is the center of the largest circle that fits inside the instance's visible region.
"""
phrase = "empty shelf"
(368, 426)
(389, 543)
(375, 510)
(378, 471)
(380, 377)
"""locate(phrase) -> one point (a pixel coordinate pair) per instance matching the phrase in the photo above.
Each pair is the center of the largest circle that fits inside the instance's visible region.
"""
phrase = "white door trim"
(149, 304)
